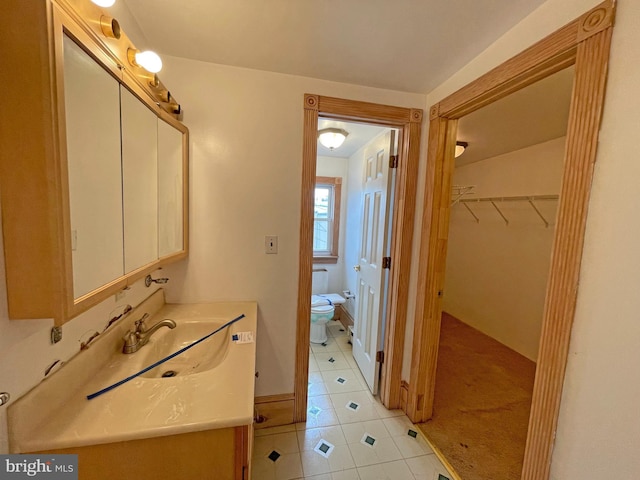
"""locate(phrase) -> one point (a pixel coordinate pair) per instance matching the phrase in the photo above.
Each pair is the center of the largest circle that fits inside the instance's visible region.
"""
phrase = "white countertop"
(143, 407)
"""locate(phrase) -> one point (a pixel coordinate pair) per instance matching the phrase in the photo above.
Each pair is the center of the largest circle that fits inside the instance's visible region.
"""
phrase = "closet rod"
(530, 199)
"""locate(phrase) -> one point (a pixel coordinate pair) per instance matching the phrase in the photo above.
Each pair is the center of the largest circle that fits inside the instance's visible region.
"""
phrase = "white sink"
(204, 356)
(214, 386)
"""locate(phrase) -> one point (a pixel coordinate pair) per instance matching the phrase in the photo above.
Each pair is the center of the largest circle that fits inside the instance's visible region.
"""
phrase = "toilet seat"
(322, 309)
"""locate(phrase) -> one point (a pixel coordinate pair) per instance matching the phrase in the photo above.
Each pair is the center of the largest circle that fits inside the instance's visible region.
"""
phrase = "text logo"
(51, 467)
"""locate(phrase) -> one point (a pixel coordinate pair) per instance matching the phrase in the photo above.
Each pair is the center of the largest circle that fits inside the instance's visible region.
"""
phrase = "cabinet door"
(170, 190)
(140, 182)
(92, 111)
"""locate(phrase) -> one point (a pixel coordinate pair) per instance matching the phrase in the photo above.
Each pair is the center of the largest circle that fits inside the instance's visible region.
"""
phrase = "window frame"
(336, 184)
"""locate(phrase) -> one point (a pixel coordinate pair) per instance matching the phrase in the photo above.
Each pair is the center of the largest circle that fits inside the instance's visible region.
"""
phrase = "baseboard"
(345, 318)
(273, 410)
(404, 395)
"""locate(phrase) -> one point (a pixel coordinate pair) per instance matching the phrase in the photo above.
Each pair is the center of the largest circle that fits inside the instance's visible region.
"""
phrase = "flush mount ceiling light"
(332, 137)
(148, 60)
(460, 148)
(104, 3)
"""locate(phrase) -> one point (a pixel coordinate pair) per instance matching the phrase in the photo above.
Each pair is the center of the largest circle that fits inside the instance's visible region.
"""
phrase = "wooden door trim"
(409, 120)
(585, 42)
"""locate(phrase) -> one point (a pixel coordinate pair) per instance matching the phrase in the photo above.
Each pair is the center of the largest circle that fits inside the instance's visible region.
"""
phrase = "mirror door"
(139, 181)
(170, 190)
(92, 109)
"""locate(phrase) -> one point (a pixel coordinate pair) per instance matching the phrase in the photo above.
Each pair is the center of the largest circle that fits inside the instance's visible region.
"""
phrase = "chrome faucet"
(138, 338)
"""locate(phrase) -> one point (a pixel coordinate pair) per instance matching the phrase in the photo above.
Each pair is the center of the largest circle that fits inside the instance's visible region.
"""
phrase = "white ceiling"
(535, 114)
(406, 45)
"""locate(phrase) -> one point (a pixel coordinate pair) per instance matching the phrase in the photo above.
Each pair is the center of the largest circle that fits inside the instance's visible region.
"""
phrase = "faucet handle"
(140, 323)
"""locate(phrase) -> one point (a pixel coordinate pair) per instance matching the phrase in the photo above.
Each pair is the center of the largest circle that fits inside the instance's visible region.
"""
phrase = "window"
(326, 219)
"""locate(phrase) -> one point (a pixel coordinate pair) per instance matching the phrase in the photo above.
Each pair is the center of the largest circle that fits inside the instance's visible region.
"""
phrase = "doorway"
(408, 123)
(505, 196)
(352, 230)
(585, 43)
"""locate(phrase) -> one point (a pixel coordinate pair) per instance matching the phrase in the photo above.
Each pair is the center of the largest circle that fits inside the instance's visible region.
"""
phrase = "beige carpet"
(482, 402)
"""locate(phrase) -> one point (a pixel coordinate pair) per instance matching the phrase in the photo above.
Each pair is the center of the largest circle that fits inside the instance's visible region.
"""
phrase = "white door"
(367, 336)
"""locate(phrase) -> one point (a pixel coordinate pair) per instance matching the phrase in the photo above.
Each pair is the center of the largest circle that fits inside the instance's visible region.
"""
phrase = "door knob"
(356, 268)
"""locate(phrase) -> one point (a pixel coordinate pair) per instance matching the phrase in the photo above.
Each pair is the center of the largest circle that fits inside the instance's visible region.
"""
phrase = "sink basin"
(201, 358)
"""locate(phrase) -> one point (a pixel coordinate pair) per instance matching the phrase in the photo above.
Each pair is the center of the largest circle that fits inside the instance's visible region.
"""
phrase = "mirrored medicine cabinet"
(93, 175)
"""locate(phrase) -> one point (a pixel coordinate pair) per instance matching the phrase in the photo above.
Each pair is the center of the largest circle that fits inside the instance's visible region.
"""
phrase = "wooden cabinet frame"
(33, 169)
(585, 43)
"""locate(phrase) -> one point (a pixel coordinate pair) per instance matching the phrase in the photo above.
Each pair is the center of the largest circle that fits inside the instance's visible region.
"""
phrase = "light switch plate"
(271, 244)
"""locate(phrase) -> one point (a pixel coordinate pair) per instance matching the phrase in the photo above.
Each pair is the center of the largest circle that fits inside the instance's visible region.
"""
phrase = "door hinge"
(393, 161)
(386, 262)
(380, 356)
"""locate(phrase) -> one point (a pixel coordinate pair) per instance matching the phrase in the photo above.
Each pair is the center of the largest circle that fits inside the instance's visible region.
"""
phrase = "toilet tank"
(319, 281)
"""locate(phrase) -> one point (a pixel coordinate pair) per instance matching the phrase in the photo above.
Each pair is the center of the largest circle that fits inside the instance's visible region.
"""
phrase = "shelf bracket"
(461, 191)
(471, 212)
(546, 223)
(500, 212)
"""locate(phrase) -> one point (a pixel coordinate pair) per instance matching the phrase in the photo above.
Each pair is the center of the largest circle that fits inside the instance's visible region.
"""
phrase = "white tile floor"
(349, 434)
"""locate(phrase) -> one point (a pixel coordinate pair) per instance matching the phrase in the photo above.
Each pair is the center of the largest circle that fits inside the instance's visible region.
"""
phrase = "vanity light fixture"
(460, 148)
(110, 27)
(332, 138)
(148, 60)
(104, 3)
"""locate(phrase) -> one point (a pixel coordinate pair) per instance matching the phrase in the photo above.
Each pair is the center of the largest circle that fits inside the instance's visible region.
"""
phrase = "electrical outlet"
(271, 244)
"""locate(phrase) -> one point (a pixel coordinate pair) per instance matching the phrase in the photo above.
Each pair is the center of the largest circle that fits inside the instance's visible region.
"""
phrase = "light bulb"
(104, 3)
(460, 148)
(149, 60)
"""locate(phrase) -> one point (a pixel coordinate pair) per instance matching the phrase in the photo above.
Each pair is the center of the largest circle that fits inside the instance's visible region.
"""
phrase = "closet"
(505, 195)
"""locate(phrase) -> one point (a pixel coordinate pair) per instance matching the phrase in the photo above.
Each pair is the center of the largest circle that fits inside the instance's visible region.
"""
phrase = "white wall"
(353, 228)
(597, 435)
(246, 163)
(336, 167)
(496, 274)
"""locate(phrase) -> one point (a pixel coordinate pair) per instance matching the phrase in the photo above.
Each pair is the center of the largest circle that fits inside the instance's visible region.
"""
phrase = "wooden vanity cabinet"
(79, 163)
(221, 454)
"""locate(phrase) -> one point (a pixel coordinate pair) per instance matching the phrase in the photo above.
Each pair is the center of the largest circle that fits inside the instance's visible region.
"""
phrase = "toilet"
(322, 305)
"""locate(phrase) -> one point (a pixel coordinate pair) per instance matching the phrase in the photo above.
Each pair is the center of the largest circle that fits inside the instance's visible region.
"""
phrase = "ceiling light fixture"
(460, 148)
(148, 60)
(104, 3)
(332, 138)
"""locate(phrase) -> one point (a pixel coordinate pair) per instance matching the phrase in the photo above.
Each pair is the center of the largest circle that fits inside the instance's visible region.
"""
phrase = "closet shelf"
(493, 200)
